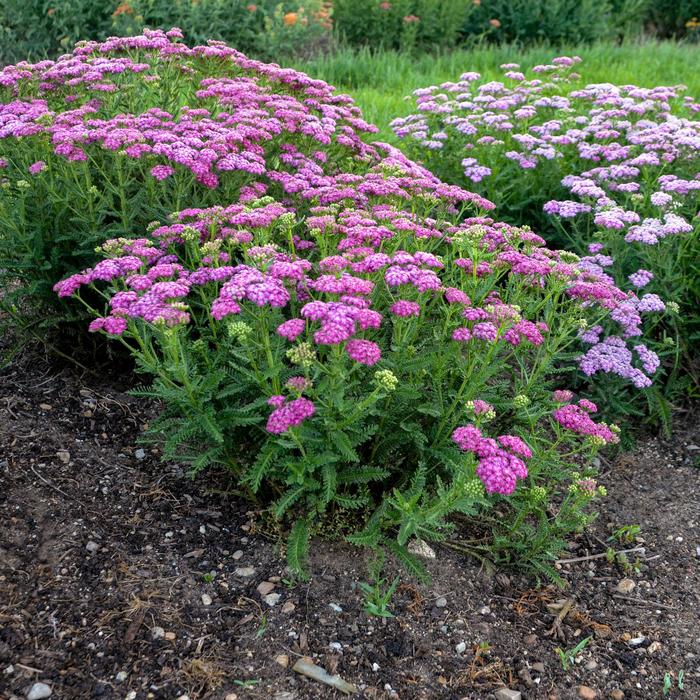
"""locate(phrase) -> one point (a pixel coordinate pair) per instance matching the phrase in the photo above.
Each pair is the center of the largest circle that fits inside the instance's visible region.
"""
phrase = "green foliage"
(556, 22)
(568, 656)
(401, 24)
(39, 28)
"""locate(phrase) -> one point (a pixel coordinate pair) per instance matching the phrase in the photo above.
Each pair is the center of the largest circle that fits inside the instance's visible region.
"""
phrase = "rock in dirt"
(441, 602)
(507, 694)
(461, 647)
(265, 587)
(335, 607)
(237, 554)
(282, 660)
(626, 585)
(157, 633)
(64, 456)
(272, 599)
(92, 547)
(421, 549)
(245, 571)
(39, 691)
(587, 693)
(140, 454)
(288, 607)
(617, 694)
(206, 599)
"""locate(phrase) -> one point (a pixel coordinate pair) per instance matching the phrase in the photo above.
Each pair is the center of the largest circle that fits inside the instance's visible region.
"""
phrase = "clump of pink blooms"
(577, 419)
(337, 274)
(500, 462)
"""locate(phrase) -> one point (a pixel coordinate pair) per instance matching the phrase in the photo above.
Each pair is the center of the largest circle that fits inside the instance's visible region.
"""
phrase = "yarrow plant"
(361, 345)
(612, 172)
(100, 142)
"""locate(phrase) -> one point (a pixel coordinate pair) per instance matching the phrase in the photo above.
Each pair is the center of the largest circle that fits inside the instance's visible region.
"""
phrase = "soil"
(122, 578)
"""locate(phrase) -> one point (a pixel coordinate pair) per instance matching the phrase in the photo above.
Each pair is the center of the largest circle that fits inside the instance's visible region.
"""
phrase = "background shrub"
(401, 24)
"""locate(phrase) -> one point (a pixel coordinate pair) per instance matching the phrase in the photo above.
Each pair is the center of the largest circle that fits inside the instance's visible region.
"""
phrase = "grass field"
(380, 81)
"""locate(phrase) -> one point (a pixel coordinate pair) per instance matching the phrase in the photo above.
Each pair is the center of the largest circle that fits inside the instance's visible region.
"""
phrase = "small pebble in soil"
(587, 693)
(335, 607)
(245, 571)
(375, 667)
(485, 610)
(507, 694)
(140, 453)
(461, 647)
(538, 667)
(282, 660)
(617, 694)
(288, 607)
(591, 665)
(441, 602)
(265, 587)
(92, 547)
(272, 599)
(157, 633)
(626, 585)
(237, 554)
(335, 646)
(206, 599)
(121, 676)
(39, 691)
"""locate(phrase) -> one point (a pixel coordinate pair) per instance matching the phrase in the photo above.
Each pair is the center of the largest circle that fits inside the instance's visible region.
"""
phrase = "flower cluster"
(500, 461)
(327, 321)
(628, 157)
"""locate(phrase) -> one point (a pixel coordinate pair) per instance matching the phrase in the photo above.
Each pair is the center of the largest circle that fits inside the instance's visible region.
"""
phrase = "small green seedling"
(626, 534)
(209, 578)
(247, 684)
(377, 598)
(668, 682)
(568, 656)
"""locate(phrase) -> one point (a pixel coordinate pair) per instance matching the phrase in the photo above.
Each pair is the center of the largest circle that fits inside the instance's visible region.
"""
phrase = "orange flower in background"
(51, 12)
(476, 2)
(290, 19)
(385, 5)
(496, 23)
(251, 8)
(409, 19)
(123, 9)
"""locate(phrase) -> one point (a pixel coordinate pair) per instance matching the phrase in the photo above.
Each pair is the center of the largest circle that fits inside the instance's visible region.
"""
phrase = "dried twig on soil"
(648, 603)
(556, 631)
(307, 668)
(602, 555)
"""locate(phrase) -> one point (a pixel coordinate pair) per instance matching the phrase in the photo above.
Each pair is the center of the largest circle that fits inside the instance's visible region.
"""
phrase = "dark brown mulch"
(105, 554)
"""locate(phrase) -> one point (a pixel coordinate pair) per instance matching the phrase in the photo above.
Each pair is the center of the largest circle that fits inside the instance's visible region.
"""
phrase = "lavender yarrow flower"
(641, 278)
(36, 168)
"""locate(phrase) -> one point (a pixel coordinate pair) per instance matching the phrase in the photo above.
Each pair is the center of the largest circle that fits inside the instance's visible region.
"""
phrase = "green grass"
(380, 81)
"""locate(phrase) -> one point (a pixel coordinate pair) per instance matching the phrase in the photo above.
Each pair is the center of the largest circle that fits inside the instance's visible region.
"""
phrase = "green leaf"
(329, 475)
(411, 563)
(298, 549)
